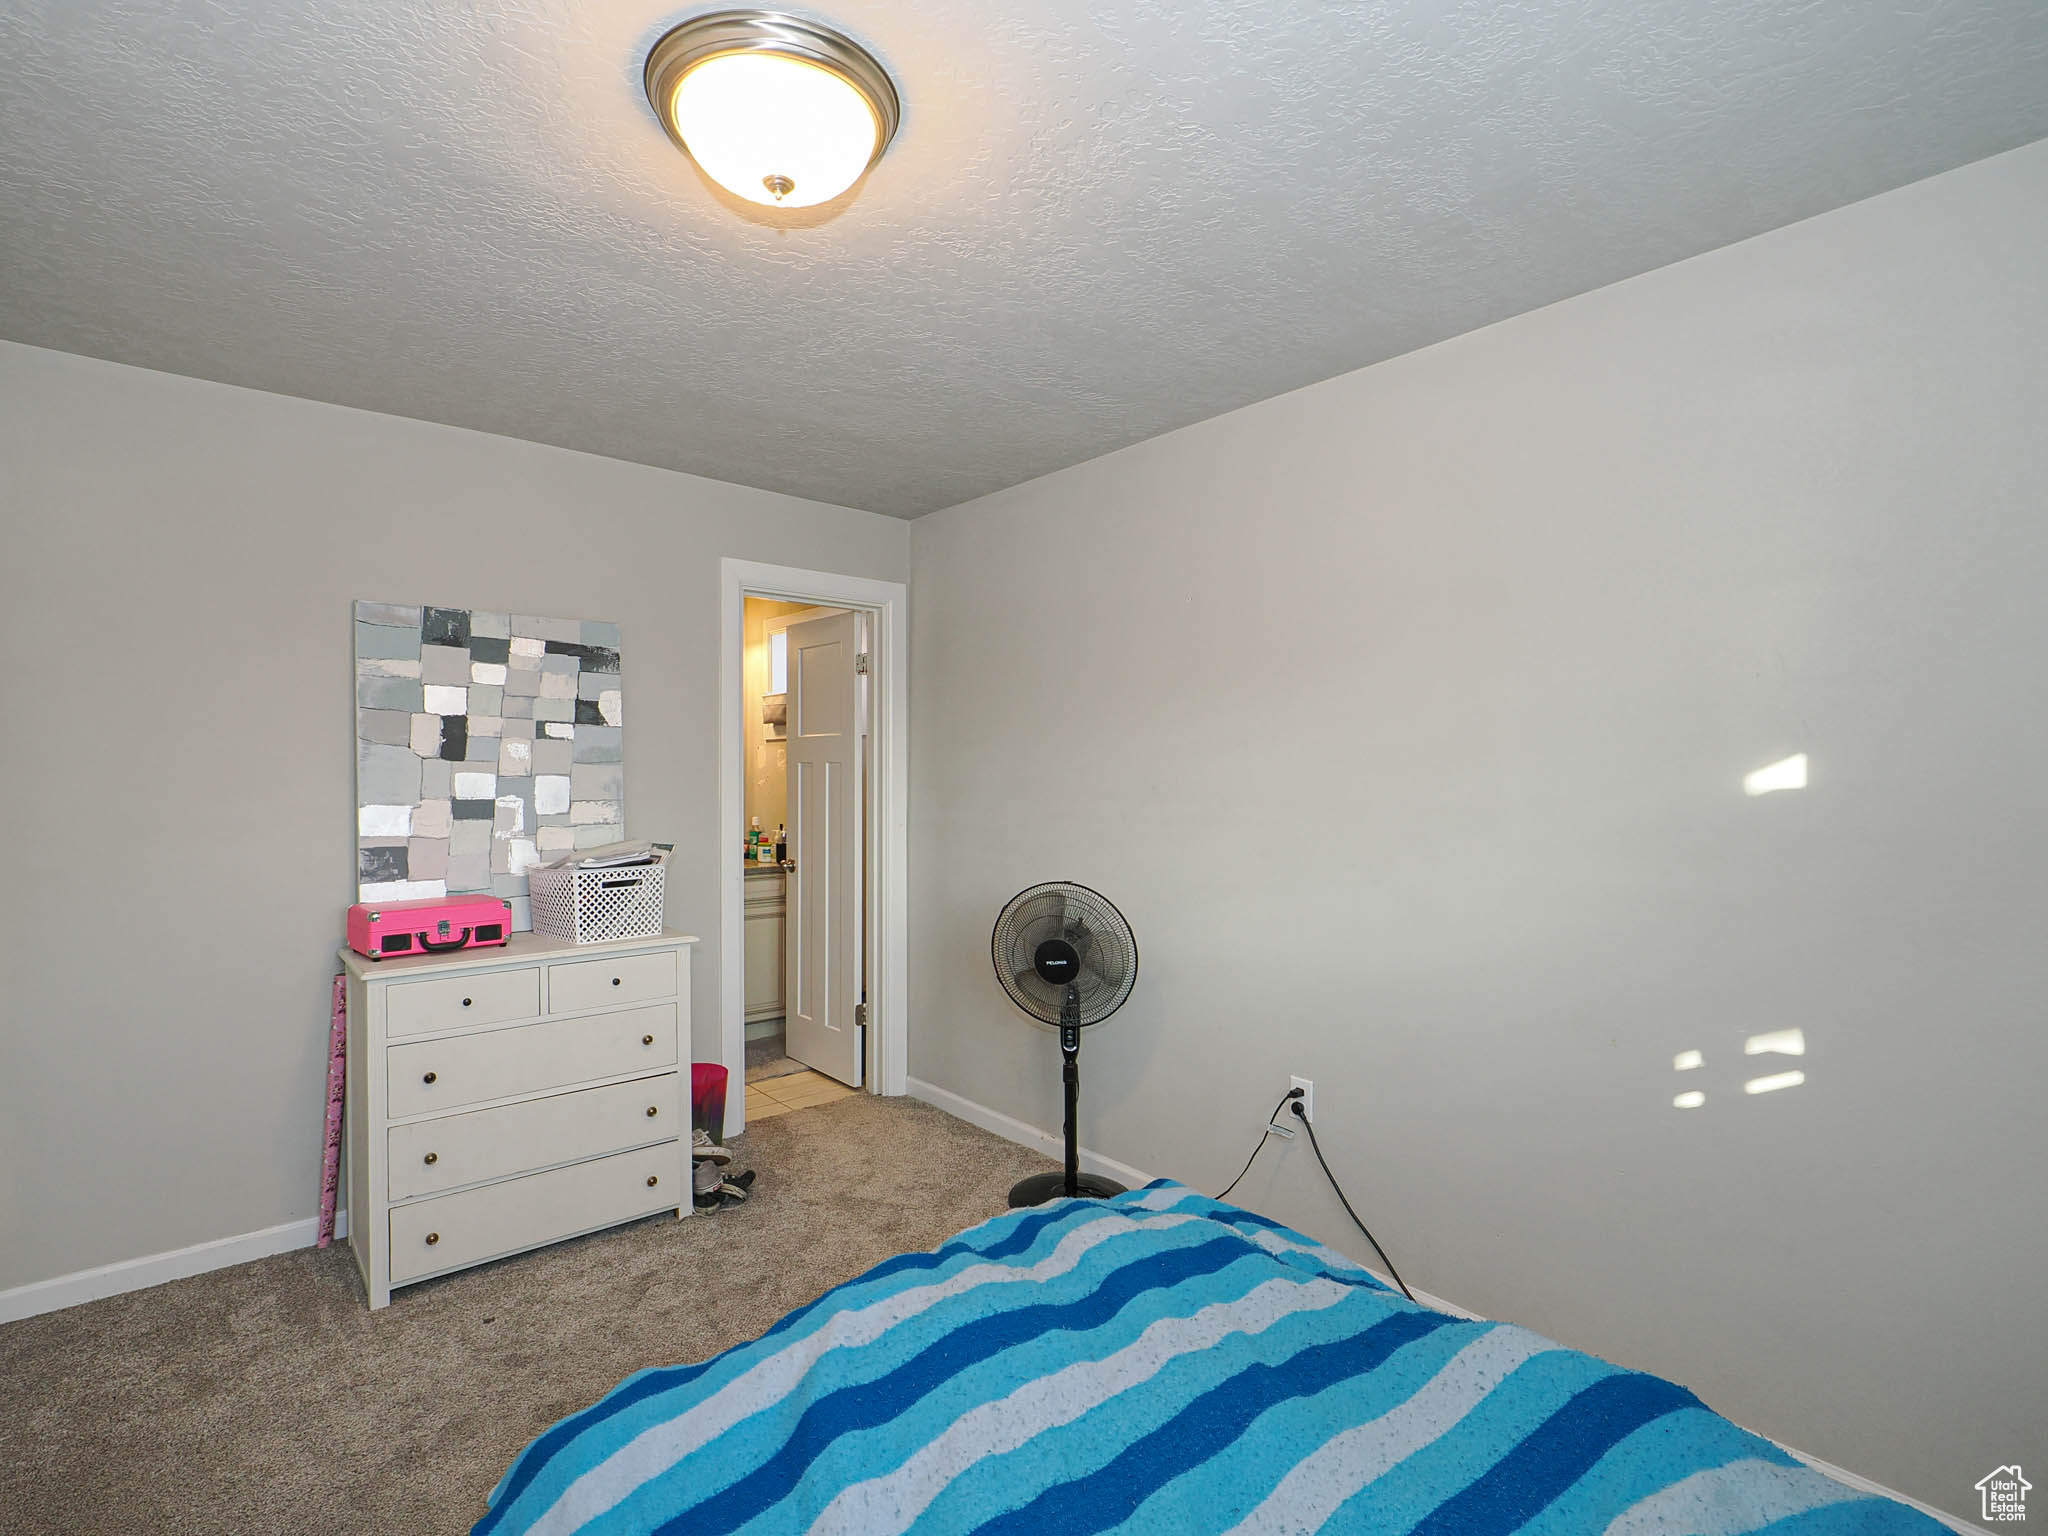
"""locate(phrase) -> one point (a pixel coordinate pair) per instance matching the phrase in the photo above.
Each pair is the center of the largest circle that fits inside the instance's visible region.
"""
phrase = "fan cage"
(1088, 920)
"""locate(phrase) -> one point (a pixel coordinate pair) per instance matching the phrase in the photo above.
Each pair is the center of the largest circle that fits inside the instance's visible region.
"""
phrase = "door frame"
(888, 605)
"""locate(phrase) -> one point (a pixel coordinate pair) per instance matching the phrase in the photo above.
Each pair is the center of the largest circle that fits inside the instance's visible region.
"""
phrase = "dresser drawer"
(582, 984)
(498, 1063)
(432, 1155)
(450, 1231)
(488, 997)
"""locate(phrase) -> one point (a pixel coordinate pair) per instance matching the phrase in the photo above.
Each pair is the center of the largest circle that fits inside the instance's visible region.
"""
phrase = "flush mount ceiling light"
(775, 109)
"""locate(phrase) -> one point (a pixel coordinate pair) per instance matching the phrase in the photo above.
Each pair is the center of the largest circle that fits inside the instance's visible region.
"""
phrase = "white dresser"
(502, 1099)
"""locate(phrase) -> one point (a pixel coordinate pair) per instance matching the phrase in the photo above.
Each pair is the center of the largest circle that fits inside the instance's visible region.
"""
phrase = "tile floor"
(783, 1095)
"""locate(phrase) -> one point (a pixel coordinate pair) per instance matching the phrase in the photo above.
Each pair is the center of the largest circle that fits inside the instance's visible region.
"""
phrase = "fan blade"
(1115, 950)
(1031, 994)
(1036, 933)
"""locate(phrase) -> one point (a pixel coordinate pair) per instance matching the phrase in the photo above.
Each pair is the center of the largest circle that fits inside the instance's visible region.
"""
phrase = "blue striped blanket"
(1156, 1363)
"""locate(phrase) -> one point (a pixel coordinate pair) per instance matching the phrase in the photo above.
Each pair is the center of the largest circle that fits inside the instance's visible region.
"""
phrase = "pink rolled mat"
(337, 1078)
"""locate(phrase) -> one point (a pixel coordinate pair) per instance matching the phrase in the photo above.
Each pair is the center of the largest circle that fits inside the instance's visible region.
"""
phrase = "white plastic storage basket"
(592, 905)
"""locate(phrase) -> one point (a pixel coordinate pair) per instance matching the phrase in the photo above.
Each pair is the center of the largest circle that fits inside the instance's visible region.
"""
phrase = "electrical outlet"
(1307, 1101)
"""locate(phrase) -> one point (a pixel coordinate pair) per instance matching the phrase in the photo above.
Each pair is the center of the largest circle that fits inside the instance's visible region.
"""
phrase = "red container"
(432, 925)
(707, 1098)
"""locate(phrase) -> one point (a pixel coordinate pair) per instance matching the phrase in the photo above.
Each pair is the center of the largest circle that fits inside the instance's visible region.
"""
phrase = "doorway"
(805, 971)
(814, 735)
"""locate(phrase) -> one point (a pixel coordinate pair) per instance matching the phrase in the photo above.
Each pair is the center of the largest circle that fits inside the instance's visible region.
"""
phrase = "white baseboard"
(1012, 1129)
(157, 1268)
(1051, 1143)
(1864, 1484)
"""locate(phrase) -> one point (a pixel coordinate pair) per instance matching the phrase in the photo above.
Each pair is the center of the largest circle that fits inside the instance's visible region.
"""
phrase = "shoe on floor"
(704, 1148)
(733, 1191)
(726, 1192)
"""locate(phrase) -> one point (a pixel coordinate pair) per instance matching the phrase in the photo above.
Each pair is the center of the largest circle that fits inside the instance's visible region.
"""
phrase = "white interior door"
(823, 944)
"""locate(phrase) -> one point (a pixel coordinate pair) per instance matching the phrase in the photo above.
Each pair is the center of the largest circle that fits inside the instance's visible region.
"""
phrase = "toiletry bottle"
(754, 839)
(781, 845)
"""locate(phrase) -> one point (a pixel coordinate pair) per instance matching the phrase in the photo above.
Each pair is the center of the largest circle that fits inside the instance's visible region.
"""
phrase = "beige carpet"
(267, 1398)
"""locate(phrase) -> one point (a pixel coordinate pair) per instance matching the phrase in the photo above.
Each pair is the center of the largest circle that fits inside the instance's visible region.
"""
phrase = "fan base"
(1041, 1187)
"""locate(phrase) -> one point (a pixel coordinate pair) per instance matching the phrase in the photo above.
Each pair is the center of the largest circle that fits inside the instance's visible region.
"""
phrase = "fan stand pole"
(1070, 1181)
(1070, 1075)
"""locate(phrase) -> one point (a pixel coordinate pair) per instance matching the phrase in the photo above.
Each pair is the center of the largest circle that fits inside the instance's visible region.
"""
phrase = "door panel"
(762, 915)
(822, 943)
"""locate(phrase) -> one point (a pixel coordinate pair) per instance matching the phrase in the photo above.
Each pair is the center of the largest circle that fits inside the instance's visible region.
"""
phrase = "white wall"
(1517, 613)
(178, 745)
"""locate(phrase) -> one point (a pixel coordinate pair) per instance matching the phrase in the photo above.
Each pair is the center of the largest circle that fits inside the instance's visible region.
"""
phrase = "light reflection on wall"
(1774, 1082)
(1773, 1042)
(1786, 773)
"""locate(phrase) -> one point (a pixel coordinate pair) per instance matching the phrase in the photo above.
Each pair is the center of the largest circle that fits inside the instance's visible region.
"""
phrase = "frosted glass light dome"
(779, 111)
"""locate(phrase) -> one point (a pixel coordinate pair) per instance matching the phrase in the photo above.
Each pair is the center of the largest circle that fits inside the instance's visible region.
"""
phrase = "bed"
(1159, 1362)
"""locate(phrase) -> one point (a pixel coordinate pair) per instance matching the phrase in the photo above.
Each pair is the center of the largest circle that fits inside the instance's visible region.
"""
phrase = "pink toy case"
(428, 926)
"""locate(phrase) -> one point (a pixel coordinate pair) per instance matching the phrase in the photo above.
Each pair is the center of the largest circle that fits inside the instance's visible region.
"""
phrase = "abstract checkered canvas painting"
(486, 743)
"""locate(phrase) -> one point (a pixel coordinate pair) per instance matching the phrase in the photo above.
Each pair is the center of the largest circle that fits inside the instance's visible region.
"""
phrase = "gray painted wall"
(1406, 717)
(177, 745)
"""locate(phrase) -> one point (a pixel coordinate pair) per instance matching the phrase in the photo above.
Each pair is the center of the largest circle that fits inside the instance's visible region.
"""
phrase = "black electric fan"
(1066, 957)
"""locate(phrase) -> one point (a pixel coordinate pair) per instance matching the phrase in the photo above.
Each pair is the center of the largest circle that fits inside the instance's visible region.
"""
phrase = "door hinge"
(860, 1013)
(860, 664)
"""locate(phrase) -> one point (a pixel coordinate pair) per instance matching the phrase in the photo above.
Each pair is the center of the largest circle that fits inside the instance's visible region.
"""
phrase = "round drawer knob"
(465, 1002)
(432, 1158)
(433, 1238)
(652, 1181)
(647, 1039)
(431, 1077)
(615, 981)
(652, 1111)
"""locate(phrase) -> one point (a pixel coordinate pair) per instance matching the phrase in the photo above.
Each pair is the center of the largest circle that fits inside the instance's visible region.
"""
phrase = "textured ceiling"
(1102, 218)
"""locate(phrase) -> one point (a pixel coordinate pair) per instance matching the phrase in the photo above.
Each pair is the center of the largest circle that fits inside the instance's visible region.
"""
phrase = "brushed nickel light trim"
(776, 33)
